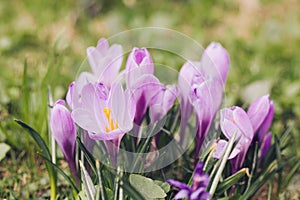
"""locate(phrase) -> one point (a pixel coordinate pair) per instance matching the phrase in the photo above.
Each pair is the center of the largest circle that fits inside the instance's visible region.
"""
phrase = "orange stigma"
(112, 124)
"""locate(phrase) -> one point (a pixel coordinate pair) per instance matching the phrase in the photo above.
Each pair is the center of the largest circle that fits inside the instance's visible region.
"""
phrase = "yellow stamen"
(111, 125)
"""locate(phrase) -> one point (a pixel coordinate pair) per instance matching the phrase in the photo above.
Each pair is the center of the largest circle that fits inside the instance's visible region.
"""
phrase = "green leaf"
(87, 155)
(131, 191)
(231, 180)
(4, 148)
(165, 186)
(82, 195)
(89, 187)
(290, 175)
(38, 139)
(45, 153)
(147, 187)
(67, 178)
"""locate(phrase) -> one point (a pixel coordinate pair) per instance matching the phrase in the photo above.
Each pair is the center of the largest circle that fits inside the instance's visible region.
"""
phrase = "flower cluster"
(100, 106)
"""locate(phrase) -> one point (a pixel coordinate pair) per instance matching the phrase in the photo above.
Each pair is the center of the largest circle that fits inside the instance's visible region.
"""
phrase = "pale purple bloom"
(198, 189)
(141, 81)
(105, 61)
(64, 132)
(235, 119)
(105, 116)
(201, 86)
(261, 114)
(162, 102)
(144, 89)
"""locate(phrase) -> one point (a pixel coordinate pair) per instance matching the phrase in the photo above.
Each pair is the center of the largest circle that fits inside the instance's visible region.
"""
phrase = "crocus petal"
(221, 147)
(258, 111)
(70, 95)
(182, 194)
(105, 61)
(242, 120)
(178, 184)
(199, 194)
(266, 124)
(162, 102)
(266, 143)
(145, 88)
(216, 61)
(121, 112)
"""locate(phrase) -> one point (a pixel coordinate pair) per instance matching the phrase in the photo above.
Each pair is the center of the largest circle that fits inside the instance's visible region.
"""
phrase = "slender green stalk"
(53, 148)
(222, 165)
(253, 166)
(212, 150)
(100, 180)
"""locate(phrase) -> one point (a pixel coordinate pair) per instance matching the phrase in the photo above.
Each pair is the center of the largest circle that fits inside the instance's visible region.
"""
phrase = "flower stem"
(222, 165)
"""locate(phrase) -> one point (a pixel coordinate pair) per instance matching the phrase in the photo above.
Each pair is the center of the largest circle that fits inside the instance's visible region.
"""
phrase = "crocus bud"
(139, 62)
(105, 61)
(261, 114)
(64, 132)
(215, 61)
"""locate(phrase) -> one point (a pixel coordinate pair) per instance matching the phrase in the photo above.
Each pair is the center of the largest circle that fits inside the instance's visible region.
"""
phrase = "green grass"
(50, 38)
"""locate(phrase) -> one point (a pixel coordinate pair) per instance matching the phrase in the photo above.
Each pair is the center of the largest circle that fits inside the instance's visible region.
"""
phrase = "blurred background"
(44, 42)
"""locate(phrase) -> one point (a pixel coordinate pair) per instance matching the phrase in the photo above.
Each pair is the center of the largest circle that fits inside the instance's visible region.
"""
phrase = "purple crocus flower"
(201, 86)
(105, 61)
(261, 114)
(198, 189)
(64, 132)
(105, 116)
(235, 119)
(141, 81)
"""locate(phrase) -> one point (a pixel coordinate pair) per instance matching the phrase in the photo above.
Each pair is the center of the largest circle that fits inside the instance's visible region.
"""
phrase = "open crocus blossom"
(261, 114)
(198, 189)
(105, 116)
(105, 61)
(235, 119)
(64, 132)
